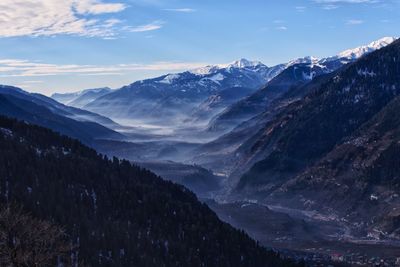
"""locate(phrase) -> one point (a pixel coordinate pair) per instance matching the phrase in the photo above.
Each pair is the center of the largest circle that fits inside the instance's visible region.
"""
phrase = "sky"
(49, 46)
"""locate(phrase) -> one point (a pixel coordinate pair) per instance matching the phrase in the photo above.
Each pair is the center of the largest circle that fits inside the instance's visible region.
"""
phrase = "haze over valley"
(278, 158)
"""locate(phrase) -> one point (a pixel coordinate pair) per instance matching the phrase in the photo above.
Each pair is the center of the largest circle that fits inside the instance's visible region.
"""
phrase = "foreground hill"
(115, 214)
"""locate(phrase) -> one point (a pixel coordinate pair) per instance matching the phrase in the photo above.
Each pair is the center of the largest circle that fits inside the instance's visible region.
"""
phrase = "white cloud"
(184, 10)
(32, 82)
(334, 4)
(53, 17)
(330, 7)
(282, 28)
(26, 68)
(155, 25)
(278, 21)
(95, 7)
(354, 22)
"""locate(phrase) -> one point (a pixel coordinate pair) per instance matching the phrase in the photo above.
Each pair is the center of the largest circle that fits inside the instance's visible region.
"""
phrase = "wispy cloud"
(330, 7)
(29, 84)
(347, 1)
(278, 21)
(282, 28)
(300, 8)
(354, 22)
(96, 7)
(334, 4)
(50, 17)
(183, 10)
(26, 68)
(155, 25)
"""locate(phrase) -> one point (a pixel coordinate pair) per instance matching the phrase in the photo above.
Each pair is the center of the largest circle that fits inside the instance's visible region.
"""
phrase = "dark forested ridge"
(114, 213)
(359, 179)
(308, 129)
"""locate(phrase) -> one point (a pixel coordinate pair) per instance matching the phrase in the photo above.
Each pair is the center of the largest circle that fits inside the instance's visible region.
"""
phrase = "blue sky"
(60, 46)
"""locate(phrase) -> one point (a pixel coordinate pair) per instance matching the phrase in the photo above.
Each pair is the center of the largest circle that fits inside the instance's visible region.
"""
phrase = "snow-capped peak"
(362, 50)
(304, 60)
(206, 70)
(238, 64)
(243, 63)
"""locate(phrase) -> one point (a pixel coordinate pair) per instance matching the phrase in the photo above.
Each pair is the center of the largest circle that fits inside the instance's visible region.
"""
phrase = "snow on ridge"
(362, 50)
(170, 78)
(304, 60)
(217, 78)
(243, 63)
(206, 70)
(238, 64)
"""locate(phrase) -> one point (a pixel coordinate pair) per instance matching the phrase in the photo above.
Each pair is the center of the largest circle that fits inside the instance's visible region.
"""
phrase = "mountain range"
(315, 137)
(218, 97)
(295, 73)
(175, 95)
(248, 116)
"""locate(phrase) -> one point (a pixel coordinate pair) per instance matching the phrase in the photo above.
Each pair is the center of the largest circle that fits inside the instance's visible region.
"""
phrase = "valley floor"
(300, 234)
(295, 233)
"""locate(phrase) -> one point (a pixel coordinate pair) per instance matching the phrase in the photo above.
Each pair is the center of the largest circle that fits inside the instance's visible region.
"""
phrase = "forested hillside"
(114, 213)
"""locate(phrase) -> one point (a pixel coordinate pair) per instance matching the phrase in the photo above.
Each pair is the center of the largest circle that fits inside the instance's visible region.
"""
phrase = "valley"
(306, 234)
(187, 133)
(262, 146)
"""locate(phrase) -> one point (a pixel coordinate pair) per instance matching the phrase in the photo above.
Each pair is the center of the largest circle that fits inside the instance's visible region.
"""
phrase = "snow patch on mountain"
(217, 78)
(346, 56)
(242, 64)
(207, 70)
(170, 78)
(303, 60)
(238, 64)
(362, 50)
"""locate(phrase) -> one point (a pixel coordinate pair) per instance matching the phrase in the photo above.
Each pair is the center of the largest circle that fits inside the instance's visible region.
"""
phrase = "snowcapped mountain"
(365, 49)
(230, 91)
(267, 73)
(178, 95)
(295, 73)
(343, 57)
